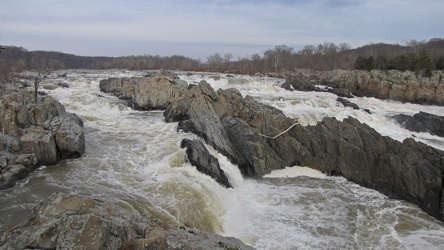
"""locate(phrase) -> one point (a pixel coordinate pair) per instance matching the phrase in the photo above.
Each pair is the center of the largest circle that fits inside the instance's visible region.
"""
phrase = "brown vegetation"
(325, 56)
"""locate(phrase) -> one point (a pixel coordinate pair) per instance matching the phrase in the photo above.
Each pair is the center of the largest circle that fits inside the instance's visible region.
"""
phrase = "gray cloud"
(200, 28)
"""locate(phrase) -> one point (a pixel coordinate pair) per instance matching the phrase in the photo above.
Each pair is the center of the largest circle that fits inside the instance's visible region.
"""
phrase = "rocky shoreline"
(43, 134)
(259, 139)
(394, 85)
(75, 222)
(256, 137)
(34, 134)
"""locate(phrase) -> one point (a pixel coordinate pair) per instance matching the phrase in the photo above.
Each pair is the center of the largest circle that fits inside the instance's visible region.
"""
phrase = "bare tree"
(37, 80)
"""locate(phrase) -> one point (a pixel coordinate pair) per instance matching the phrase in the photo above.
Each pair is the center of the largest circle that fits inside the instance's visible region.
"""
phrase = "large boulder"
(34, 134)
(145, 92)
(42, 144)
(206, 163)
(75, 222)
(69, 136)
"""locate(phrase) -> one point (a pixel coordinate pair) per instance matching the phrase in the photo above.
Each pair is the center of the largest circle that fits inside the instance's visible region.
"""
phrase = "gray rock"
(206, 163)
(347, 103)
(42, 144)
(69, 136)
(74, 222)
(422, 122)
(145, 92)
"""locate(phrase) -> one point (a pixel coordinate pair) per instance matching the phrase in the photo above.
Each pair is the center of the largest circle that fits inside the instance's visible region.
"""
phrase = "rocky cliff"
(259, 138)
(34, 134)
(395, 85)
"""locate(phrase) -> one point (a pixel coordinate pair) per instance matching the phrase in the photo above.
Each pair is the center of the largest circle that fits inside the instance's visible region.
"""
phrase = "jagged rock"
(28, 140)
(10, 174)
(298, 85)
(206, 163)
(347, 103)
(42, 144)
(145, 92)
(341, 92)
(74, 222)
(392, 84)
(422, 122)
(69, 135)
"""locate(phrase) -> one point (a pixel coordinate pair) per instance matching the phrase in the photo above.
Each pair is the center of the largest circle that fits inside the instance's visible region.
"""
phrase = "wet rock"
(422, 122)
(347, 103)
(206, 163)
(341, 92)
(63, 84)
(74, 222)
(296, 84)
(69, 135)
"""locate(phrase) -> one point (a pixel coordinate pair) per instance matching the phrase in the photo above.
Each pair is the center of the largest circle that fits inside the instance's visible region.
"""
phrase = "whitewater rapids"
(134, 159)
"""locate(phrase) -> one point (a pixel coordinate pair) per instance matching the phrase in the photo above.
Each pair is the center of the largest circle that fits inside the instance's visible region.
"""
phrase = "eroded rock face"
(145, 92)
(44, 131)
(422, 122)
(394, 85)
(75, 222)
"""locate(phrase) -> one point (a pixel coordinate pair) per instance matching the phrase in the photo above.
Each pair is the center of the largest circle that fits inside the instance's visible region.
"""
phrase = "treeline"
(18, 59)
(412, 55)
(421, 63)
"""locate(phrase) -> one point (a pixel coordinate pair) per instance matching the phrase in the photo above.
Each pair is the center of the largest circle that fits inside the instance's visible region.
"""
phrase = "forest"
(418, 56)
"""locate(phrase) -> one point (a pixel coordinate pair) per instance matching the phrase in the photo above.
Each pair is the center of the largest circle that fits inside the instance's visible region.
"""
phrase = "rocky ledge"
(75, 222)
(259, 139)
(395, 85)
(34, 134)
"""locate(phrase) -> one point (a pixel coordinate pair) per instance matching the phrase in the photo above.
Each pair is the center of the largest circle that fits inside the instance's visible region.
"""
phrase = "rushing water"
(134, 158)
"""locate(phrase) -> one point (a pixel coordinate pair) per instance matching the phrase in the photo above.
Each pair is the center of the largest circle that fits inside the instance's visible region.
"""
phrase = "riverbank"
(34, 134)
(383, 84)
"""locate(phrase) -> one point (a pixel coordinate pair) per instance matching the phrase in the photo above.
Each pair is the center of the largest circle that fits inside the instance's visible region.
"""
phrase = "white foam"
(290, 172)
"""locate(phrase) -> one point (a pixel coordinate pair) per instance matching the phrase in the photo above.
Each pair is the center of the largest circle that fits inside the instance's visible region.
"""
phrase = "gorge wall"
(259, 139)
(395, 85)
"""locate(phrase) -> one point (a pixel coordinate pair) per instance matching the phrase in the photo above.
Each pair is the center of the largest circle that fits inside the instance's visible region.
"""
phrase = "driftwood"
(283, 132)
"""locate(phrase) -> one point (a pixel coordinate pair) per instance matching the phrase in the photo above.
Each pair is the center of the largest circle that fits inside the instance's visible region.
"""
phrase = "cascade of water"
(134, 159)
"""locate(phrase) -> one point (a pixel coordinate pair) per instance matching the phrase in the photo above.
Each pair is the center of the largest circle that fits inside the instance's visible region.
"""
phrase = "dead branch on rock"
(276, 136)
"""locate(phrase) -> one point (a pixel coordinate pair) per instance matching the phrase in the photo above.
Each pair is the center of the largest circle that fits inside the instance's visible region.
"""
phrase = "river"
(134, 159)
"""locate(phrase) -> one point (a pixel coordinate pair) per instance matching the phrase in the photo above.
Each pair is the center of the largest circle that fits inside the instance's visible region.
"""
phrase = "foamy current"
(134, 158)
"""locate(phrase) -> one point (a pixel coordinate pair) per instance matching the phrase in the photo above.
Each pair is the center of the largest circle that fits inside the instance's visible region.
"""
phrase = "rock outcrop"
(145, 92)
(35, 134)
(206, 163)
(394, 85)
(75, 222)
(259, 138)
(422, 122)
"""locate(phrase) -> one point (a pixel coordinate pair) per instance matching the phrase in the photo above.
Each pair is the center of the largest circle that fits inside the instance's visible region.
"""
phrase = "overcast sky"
(199, 28)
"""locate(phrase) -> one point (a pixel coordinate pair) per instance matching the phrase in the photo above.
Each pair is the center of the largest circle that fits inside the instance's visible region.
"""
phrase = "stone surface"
(395, 85)
(206, 163)
(422, 122)
(145, 92)
(75, 222)
(35, 134)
